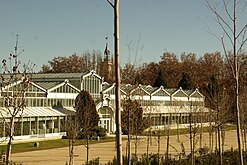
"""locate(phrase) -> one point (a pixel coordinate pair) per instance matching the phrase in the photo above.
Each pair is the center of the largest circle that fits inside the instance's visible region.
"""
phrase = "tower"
(107, 71)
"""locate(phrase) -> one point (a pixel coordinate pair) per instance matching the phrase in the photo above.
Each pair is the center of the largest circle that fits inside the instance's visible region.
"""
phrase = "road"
(106, 151)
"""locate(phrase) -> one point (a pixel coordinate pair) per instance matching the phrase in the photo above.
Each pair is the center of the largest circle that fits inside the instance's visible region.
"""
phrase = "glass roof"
(33, 112)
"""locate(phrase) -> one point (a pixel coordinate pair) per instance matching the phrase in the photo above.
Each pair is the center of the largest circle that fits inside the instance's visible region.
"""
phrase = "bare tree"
(158, 133)
(191, 137)
(149, 132)
(115, 7)
(158, 137)
(237, 39)
(218, 99)
(72, 133)
(195, 121)
(168, 132)
(13, 85)
(133, 123)
(243, 106)
(150, 110)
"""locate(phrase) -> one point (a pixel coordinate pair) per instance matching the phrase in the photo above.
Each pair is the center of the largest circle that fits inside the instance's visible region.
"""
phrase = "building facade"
(50, 97)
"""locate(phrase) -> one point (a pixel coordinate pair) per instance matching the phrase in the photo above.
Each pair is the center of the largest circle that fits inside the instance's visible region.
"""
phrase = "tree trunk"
(117, 78)
(167, 144)
(191, 141)
(239, 134)
(210, 132)
(159, 138)
(194, 146)
(236, 76)
(71, 151)
(11, 134)
(216, 141)
(212, 143)
(245, 139)
(178, 137)
(219, 145)
(223, 140)
(242, 131)
(87, 147)
(148, 142)
(201, 128)
(129, 158)
(136, 143)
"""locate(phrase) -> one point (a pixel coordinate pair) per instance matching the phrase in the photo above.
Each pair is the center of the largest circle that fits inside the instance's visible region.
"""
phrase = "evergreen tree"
(186, 82)
(87, 117)
(161, 80)
(138, 79)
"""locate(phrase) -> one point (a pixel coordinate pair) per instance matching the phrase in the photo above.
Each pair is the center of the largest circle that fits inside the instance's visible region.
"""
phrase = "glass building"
(50, 97)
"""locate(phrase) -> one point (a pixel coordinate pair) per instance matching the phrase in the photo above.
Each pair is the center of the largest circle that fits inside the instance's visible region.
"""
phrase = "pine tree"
(87, 116)
(186, 82)
(161, 80)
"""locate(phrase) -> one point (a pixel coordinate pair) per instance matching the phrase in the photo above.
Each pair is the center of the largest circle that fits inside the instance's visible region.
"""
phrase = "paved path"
(106, 151)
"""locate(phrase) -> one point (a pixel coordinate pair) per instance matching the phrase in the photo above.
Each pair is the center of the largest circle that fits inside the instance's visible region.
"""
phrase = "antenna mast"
(16, 54)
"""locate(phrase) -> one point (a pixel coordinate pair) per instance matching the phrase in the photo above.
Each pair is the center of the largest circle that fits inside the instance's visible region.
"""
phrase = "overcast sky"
(51, 28)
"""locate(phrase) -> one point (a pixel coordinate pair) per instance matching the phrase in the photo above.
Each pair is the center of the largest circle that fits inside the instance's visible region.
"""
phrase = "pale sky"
(51, 28)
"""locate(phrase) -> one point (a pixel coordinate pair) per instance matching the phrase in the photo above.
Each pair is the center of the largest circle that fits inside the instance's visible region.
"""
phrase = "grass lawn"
(48, 144)
(180, 131)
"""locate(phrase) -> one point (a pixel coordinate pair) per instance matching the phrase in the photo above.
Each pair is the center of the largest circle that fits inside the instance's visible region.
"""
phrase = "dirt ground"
(106, 151)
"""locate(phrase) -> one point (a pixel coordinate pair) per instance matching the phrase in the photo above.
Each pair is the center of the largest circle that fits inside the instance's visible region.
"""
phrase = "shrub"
(229, 158)
(96, 132)
(100, 131)
(94, 162)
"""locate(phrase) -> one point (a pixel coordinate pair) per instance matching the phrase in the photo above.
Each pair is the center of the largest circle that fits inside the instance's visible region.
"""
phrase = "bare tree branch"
(243, 41)
(244, 28)
(224, 29)
(226, 9)
(227, 58)
(110, 2)
(221, 21)
(213, 34)
(137, 47)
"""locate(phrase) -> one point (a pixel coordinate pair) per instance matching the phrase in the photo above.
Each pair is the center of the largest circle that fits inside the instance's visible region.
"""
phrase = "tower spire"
(107, 70)
(107, 51)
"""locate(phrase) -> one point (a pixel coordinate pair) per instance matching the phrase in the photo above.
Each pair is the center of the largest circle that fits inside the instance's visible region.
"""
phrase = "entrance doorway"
(106, 118)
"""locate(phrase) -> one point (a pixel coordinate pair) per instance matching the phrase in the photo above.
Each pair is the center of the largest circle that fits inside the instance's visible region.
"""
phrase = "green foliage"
(203, 151)
(152, 159)
(186, 82)
(97, 131)
(229, 158)
(113, 162)
(86, 114)
(100, 131)
(182, 154)
(187, 130)
(94, 162)
(58, 105)
(50, 144)
(213, 88)
(161, 80)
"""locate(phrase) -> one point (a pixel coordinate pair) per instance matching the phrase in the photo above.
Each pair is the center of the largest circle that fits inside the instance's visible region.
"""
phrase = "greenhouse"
(34, 123)
(163, 107)
(50, 97)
